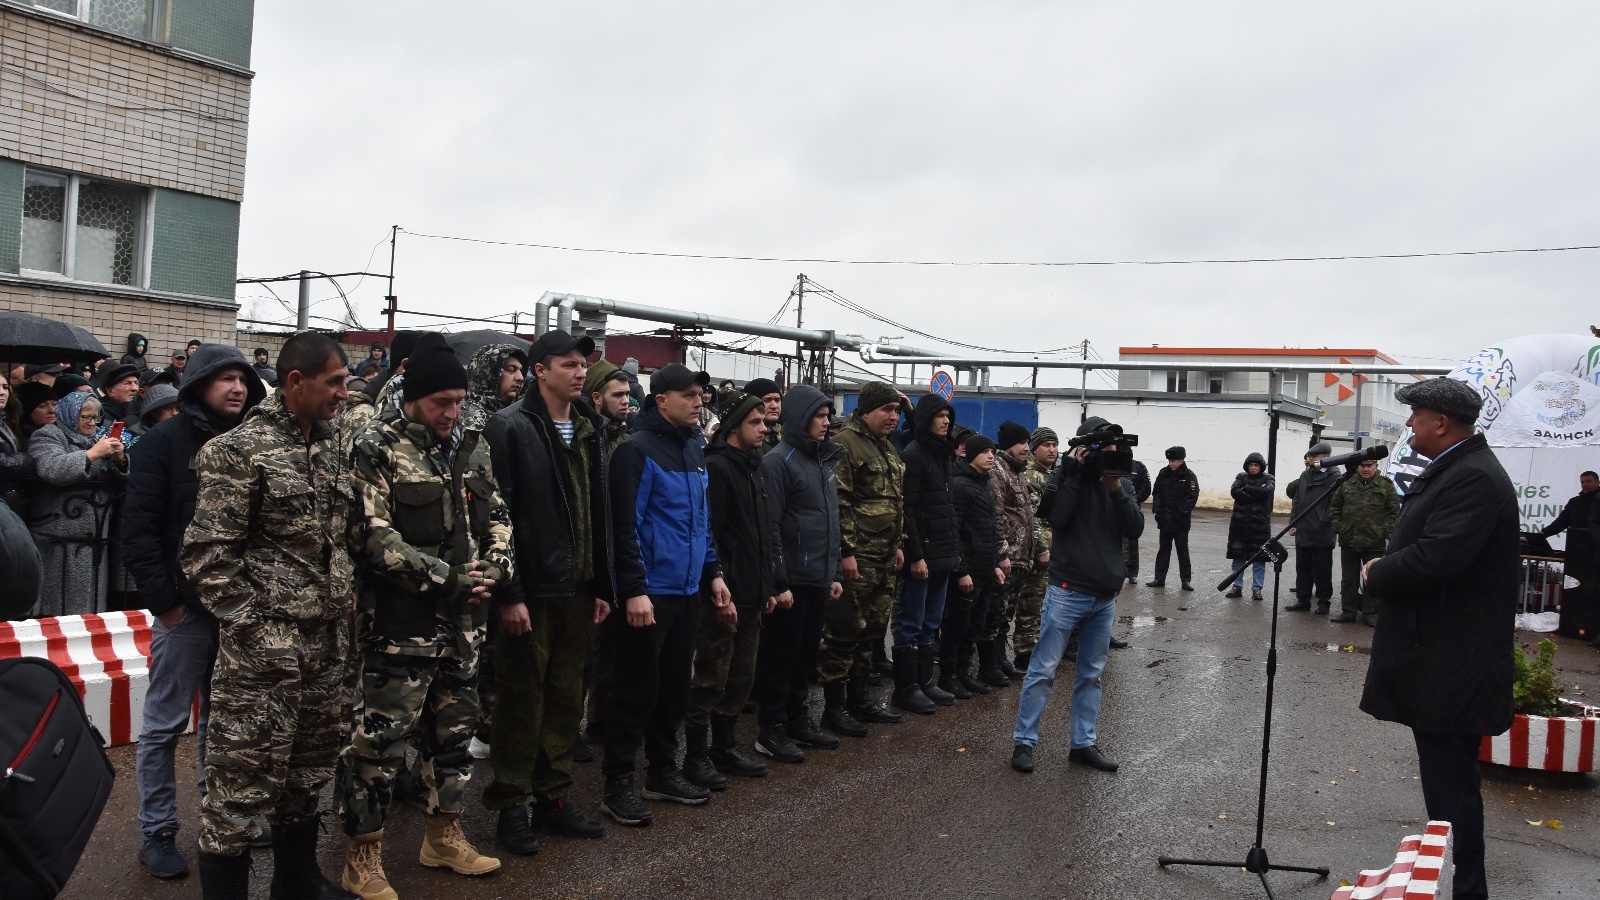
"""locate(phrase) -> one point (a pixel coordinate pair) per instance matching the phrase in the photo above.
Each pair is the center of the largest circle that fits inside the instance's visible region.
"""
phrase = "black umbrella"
(27, 338)
(466, 343)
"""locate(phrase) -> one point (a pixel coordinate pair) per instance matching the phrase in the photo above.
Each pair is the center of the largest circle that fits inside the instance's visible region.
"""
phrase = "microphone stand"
(1255, 861)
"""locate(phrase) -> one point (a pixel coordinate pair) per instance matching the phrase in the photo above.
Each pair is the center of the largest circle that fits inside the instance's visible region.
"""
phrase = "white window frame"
(81, 10)
(145, 216)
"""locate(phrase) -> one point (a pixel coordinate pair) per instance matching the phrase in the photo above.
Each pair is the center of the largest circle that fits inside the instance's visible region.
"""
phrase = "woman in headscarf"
(70, 516)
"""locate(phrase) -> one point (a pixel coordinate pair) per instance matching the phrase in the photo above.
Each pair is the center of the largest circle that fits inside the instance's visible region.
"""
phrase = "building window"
(129, 18)
(82, 228)
(1178, 382)
(1214, 382)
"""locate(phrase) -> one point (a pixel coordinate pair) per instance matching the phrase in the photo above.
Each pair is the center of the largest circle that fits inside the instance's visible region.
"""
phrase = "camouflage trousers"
(856, 621)
(1004, 600)
(1030, 608)
(539, 702)
(280, 708)
(724, 666)
(431, 702)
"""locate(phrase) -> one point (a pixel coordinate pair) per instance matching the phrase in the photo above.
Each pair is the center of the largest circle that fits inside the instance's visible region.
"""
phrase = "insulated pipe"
(870, 353)
(810, 337)
(541, 316)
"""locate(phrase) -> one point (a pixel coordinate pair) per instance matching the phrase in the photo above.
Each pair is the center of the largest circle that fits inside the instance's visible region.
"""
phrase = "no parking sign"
(943, 385)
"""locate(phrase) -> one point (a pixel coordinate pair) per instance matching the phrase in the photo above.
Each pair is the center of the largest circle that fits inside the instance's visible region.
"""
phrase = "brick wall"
(248, 341)
(83, 102)
(168, 323)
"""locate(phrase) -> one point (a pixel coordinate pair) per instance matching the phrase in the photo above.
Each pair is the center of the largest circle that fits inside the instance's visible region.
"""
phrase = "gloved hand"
(494, 573)
(463, 578)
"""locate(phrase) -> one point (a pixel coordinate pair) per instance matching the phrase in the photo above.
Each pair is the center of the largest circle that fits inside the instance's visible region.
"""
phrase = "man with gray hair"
(1441, 659)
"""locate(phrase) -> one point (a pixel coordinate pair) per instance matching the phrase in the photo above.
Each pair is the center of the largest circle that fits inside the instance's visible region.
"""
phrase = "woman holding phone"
(70, 515)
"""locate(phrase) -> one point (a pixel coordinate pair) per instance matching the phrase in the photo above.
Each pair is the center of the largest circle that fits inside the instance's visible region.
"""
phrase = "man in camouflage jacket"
(267, 552)
(1017, 531)
(871, 532)
(432, 539)
(1363, 511)
(1044, 444)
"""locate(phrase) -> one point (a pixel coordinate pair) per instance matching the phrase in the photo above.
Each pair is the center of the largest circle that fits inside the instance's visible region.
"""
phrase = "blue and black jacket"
(660, 500)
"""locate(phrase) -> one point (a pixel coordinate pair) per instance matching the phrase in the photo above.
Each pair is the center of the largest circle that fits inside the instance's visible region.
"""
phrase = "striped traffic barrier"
(1415, 874)
(105, 655)
(1553, 744)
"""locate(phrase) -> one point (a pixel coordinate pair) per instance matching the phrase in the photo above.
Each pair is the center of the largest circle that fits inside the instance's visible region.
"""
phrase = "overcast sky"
(1026, 131)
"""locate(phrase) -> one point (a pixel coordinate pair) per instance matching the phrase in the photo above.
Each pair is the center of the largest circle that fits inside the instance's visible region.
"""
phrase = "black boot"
(725, 751)
(1234, 592)
(836, 713)
(621, 802)
(907, 689)
(803, 729)
(774, 741)
(514, 832)
(1023, 658)
(988, 672)
(862, 706)
(224, 877)
(927, 655)
(697, 765)
(1002, 659)
(964, 672)
(949, 674)
(295, 873)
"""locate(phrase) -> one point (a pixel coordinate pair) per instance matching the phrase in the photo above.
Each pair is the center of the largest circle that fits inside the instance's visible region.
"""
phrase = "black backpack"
(55, 778)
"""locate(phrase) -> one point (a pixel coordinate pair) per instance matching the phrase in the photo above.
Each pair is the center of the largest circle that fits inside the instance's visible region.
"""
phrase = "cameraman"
(1090, 513)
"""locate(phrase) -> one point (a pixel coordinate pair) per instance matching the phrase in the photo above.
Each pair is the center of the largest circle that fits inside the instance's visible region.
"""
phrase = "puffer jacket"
(661, 505)
(930, 510)
(974, 500)
(1316, 530)
(803, 497)
(1363, 512)
(1251, 524)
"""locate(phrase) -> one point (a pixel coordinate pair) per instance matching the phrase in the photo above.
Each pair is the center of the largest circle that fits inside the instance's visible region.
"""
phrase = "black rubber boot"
(513, 831)
(836, 713)
(949, 671)
(862, 706)
(1002, 659)
(964, 671)
(907, 689)
(697, 765)
(803, 729)
(988, 672)
(295, 873)
(725, 753)
(224, 877)
(927, 655)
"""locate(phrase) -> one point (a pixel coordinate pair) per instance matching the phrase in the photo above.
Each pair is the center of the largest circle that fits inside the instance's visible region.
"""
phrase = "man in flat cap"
(1448, 591)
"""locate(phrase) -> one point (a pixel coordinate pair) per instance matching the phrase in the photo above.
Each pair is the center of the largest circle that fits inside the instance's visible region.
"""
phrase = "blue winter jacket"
(660, 499)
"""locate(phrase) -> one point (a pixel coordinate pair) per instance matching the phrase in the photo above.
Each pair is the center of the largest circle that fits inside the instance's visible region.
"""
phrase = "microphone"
(1374, 453)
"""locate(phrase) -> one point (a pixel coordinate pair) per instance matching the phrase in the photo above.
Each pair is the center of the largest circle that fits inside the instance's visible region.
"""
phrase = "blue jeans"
(180, 667)
(1065, 610)
(916, 620)
(1258, 574)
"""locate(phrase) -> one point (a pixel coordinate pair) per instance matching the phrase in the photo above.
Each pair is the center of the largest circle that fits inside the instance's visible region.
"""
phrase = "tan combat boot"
(445, 847)
(363, 868)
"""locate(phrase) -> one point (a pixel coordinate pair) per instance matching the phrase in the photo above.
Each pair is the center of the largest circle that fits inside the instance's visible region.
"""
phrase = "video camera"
(1116, 463)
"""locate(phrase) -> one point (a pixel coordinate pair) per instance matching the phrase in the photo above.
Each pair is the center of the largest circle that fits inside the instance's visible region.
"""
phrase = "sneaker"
(561, 817)
(622, 803)
(161, 858)
(1022, 758)
(1091, 756)
(1234, 592)
(803, 730)
(774, 741)
(478, 749)
(445, 847)
(669, 784)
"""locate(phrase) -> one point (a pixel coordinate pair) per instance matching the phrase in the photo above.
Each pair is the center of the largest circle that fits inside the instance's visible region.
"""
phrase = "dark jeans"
(650, 681)
(1450, 788)
(1170, 539)
(790, 641)
(1313, 564)
(966, 620)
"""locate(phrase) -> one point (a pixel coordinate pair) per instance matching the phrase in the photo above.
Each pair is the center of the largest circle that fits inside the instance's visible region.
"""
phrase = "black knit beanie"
(977, 444)
(432, 367)
(1011, 434)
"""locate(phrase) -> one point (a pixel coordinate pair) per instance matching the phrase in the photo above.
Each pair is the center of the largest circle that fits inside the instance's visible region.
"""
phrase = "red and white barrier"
(1556, 744)
(1415, 873)
(106, 656)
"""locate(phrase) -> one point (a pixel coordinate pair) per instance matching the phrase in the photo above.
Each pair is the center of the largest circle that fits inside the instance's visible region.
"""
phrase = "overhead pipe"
(541, 315)
(870, 353)
(566, 305)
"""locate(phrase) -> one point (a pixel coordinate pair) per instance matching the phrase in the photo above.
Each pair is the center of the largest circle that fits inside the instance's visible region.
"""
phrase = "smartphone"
(116, 431)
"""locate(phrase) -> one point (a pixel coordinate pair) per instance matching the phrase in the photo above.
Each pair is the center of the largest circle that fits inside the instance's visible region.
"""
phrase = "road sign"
(943, 385)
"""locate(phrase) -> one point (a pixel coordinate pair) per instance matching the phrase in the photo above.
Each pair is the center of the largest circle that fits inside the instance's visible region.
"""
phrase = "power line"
(857, 308)
(1023, 263)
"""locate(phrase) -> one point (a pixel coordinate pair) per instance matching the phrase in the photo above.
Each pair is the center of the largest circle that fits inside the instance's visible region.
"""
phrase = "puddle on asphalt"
(1141, 621)
(1330, 648)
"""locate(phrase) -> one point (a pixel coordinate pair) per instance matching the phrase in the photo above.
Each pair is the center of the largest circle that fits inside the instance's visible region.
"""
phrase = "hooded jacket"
(138, 346)
(930, 510)
(741, 522)
(1014, 506)
(660, 501)
(1251, 524)
(483, 384)
(163, 485)
(803, 497)
(1087, 525)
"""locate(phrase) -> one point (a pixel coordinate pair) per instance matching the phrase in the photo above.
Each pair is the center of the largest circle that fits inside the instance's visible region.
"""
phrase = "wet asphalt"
(931, 808)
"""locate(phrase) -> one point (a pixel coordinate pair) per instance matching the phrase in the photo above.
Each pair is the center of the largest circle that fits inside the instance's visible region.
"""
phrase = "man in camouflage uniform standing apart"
(1045, 444)
(432, 539)
(871, 531)
(267, 551)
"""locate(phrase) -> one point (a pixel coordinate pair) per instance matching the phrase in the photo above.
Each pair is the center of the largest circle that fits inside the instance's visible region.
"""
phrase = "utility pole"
(799, 322)
(1083, 383)
(302, 319)
(392, 301)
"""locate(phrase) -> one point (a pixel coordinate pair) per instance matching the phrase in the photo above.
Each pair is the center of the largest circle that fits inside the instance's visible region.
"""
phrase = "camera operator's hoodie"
(1087, 525)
